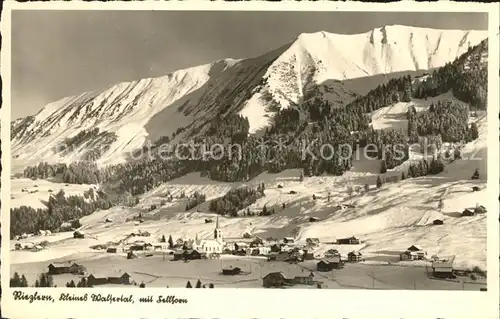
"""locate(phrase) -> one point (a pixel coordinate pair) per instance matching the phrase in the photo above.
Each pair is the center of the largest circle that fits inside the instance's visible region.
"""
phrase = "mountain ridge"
(136, 111)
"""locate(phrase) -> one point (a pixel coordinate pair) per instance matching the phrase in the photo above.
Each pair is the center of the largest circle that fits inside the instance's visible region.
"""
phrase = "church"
(211, 246)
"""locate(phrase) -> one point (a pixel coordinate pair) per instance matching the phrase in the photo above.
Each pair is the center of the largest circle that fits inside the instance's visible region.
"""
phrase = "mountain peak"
(315, 64)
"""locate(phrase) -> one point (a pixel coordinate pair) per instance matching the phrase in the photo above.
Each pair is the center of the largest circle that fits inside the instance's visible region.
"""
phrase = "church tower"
(217, 231)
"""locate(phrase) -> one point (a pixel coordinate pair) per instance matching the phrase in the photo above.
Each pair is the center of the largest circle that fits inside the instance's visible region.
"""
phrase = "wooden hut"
(468, 212)
(354, 256)
(437, 222)
(78, 234)
(231, 271)
(348, 241)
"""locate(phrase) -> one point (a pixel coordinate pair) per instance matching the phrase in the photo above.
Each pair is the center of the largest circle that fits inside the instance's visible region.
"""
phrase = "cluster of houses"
(285, 250)
(289, 278)
(294, 255)
(140, 233)
(33, 247)
(94, 279)
(443, 268)
(479, 209)
(413, 253)
(348, 241)
(332, 259)
(66, 268)
(23, 236)
(108, 278)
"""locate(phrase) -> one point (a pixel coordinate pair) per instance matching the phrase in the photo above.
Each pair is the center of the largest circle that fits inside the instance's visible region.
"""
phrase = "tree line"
(43, 280)
(447, 119)
(236, 200)
(46, 280)
(466, 77)
(59, 209)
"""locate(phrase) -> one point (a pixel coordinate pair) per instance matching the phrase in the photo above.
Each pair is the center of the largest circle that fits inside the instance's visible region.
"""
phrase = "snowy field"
(162, 271)
(387, 221)
(36, 191)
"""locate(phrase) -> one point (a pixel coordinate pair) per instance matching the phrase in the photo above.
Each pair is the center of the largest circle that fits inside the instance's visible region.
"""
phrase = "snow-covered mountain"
(129, 114)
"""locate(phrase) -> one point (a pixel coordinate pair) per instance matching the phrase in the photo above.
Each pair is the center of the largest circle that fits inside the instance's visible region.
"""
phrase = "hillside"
(389, 202)
(108, 125)
(387, 220)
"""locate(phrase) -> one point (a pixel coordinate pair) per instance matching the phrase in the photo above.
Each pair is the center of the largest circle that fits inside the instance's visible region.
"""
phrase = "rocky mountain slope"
(179, 105)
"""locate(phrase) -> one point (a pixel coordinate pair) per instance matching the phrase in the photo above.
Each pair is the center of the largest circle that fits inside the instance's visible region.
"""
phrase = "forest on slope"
(280, 147)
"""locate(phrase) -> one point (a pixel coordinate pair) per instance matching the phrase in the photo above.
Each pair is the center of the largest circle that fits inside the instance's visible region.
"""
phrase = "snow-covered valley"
(338, 68)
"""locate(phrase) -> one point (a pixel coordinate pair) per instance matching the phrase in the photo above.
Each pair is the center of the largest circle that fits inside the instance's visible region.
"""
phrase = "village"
(278, 263)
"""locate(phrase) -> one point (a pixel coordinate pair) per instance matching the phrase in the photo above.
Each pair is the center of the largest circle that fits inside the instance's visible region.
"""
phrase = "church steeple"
(217, 231)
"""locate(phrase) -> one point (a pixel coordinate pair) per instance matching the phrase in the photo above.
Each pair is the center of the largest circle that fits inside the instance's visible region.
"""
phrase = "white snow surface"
(387, 220)
(36, 192)
(150, 108)
(323, 56)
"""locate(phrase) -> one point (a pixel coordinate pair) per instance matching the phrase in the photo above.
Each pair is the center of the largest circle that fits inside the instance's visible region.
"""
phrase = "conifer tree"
(474, 131)
(476, 174)
(24, 281)
(15, 281)
(170, 242)
(383, 168)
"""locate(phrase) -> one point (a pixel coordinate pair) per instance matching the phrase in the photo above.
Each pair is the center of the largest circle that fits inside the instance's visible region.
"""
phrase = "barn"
(354, 256)
(275, 279)
(348, 241)
(468, 212)
(231, 271)
(443, 268)
(437, 222)
(78, 234)
(324, 265)
(108, 278)
(65, 268)
(188, 254)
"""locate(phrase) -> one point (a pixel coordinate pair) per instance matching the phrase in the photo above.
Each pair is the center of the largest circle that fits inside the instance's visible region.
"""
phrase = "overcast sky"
(61, 53)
